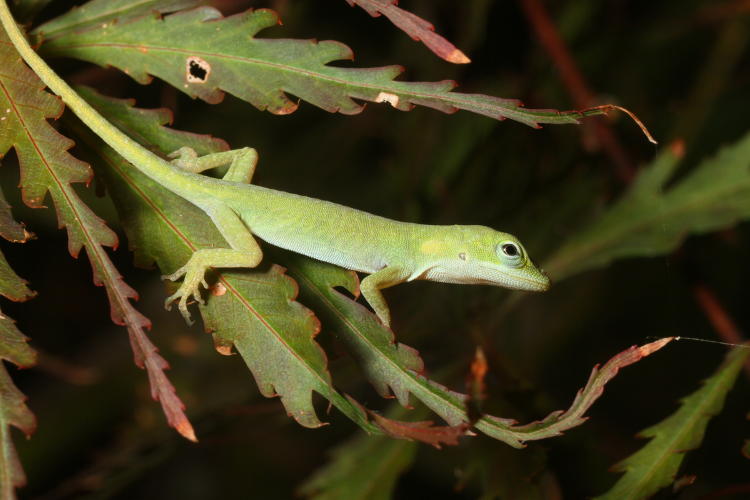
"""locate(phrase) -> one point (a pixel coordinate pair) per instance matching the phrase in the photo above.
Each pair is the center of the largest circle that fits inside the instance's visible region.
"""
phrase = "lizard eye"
(510, 254)
(510, 250)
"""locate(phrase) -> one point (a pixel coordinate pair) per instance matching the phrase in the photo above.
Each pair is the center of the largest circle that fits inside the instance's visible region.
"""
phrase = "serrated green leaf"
(650, 220)
(254, 310)
(14, 349)
(148, 126)
(48, 168)
(204, 54)
(11, 285)
(383, 361)
(97, 12)
(9, 228)
(257, 314)
(13, 412)
(46, 165)
(656, 465)
(363, 468)
(388, 364)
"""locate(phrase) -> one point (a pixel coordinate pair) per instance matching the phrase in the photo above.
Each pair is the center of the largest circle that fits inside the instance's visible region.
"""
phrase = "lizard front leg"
(242, 162)
(243, 252)
(372, 284)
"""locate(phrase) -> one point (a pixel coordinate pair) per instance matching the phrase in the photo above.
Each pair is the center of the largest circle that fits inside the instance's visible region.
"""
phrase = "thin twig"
(582, 95)
(723, 324)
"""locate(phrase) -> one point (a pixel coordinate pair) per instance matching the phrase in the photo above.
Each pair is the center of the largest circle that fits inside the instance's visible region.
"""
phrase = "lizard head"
(481, 255)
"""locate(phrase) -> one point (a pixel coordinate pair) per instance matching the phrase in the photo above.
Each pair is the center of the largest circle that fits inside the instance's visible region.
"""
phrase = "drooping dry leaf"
(424, 431)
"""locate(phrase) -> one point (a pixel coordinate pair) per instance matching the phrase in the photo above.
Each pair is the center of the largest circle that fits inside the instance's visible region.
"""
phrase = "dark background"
(682, 66)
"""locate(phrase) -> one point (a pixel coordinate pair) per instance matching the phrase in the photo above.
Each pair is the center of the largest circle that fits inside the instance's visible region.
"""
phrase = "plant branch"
(720, 319)
(577, 87)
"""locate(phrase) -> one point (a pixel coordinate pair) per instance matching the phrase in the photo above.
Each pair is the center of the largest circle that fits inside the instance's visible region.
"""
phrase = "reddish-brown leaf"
(47, 168)
(424, 431)
(414, 26)
(475, 386)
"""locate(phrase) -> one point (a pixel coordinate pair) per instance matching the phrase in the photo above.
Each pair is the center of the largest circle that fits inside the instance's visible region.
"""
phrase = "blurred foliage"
(681, 66)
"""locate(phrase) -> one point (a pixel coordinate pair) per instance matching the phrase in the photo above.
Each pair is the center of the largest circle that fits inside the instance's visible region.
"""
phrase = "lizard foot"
(184, 157)
(194, 278)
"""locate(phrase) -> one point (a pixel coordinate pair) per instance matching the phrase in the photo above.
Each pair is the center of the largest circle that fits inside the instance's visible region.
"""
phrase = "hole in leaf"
(391, 99)
(197, 70)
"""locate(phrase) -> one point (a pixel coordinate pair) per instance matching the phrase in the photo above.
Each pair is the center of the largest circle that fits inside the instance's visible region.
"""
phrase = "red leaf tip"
(648, 349)
(186, 430)
(457, 57)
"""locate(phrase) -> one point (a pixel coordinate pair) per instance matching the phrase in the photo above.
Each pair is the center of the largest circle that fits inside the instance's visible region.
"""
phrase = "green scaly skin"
(391, 252)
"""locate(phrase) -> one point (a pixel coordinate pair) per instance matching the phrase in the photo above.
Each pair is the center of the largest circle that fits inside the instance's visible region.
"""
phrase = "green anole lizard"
(391, 252)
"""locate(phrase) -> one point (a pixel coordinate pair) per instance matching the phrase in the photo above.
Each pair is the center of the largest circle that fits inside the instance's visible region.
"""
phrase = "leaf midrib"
(392, 85)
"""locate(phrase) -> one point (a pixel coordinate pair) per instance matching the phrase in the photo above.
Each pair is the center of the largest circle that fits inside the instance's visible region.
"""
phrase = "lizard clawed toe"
(190, 287)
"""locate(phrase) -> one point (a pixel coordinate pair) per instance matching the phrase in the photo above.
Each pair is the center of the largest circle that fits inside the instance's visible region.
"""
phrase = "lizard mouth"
(536, 282)
(541, 282)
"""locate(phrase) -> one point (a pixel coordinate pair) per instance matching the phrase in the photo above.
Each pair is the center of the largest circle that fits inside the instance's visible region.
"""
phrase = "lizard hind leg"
(241, 162)
(244, 252)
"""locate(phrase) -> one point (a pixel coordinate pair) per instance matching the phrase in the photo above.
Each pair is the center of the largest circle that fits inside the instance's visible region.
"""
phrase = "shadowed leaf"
(13, 412)
(203, 54)
(363, 467)
(13, 409)
(656, 465)
(650, 220)
(25, 10)
(503, 472)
